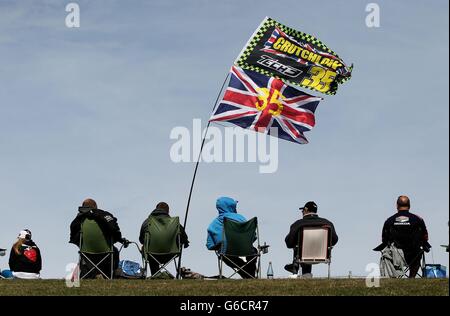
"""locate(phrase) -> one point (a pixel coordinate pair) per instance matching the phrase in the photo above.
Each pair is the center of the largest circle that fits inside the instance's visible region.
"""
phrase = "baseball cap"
(25, 234)
(311, 206)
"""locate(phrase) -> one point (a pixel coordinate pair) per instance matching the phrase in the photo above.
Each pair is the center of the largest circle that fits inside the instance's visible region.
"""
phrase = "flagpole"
(195, 173)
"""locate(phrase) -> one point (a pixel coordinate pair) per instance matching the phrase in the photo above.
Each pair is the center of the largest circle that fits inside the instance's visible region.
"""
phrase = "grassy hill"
(264, 287)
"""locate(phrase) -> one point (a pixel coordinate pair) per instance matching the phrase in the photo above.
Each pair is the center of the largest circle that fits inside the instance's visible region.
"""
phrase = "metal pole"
(195, 174)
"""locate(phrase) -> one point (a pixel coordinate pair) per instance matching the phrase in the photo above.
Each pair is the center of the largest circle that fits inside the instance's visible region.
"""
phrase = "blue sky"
(88, 112)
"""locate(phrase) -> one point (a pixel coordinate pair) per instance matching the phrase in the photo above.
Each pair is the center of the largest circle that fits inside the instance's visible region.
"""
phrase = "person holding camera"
(110, 228)
(25, 260)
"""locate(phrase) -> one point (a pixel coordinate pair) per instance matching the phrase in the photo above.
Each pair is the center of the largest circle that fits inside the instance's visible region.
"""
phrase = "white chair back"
(315, 245)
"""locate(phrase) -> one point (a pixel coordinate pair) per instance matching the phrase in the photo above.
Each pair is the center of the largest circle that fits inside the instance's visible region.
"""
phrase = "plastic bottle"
(270, 271)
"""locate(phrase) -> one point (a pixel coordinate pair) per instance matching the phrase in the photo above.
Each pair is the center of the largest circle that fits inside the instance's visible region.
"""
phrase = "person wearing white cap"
(25, 259)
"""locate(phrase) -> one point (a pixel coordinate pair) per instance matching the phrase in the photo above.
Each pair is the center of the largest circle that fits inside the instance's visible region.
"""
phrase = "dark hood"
(158, 212)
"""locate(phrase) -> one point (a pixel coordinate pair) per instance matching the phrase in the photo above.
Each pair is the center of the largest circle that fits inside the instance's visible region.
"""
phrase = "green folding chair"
(238, 239)
(94, 242)
(162, 238)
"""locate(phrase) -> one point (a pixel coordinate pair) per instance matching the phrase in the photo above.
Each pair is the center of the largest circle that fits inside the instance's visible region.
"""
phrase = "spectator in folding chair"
(227, 209)
(111, 233)
(406, 231)
(161, 215)
(25, 261)
(310, 219)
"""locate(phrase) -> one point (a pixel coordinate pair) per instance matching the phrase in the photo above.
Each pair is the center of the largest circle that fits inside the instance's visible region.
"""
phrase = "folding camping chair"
(162, 239)
(129, 269)
(94, 242)
(393, 263)
(315, 246)
(238, 239)
(420, 272)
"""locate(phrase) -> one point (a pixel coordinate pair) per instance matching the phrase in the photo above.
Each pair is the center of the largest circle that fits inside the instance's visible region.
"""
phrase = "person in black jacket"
(25, 255)
(408, 232)
(110, 228)
(162, 210)
(293, 239)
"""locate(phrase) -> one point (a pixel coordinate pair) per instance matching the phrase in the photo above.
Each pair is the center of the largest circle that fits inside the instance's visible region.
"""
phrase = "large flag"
(303, 60)
(257, 102)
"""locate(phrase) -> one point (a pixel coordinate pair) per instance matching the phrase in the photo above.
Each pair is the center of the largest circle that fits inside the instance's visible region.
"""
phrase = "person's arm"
(385, 236)
(39, 259)
(16, 247)
(184, 238)
(334, 236)
(110, 223)
(115, 229)
(210, 242)
(426, 246)
(75, 229)
(12, 262)
(291, 239)
(142, 232)
(424, 230)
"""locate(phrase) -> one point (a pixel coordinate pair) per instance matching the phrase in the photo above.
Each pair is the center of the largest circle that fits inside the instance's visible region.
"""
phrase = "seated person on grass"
(25, 260)
(227, 209)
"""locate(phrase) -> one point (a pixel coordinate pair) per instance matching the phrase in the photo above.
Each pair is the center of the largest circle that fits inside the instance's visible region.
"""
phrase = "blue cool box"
(434, 271)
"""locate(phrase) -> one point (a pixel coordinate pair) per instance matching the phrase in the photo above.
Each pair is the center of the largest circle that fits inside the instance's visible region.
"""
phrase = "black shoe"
(292, 268)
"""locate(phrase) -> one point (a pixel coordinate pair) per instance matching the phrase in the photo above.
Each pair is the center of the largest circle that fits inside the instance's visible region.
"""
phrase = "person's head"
(25, 234)
(163, 206)
(309, 208)
(89, 203)
(226, 205)
(403, 203)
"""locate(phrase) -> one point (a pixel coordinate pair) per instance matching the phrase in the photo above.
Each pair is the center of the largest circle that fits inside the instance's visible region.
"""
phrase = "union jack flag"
(257, 102)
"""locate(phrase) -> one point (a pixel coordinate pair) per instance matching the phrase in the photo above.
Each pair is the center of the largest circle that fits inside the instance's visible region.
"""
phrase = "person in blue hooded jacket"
(227, 208)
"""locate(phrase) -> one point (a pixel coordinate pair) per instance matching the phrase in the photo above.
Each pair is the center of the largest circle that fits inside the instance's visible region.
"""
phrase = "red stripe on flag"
(241, 99)
(263, 121)
(233, 116)
(297, 99)
(299, 116)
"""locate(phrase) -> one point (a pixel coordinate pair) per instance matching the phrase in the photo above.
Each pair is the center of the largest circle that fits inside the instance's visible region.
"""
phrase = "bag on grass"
(130, 270)
(434, 271)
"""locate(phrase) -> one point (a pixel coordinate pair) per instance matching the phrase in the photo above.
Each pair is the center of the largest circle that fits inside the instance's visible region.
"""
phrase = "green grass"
(417, 287)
